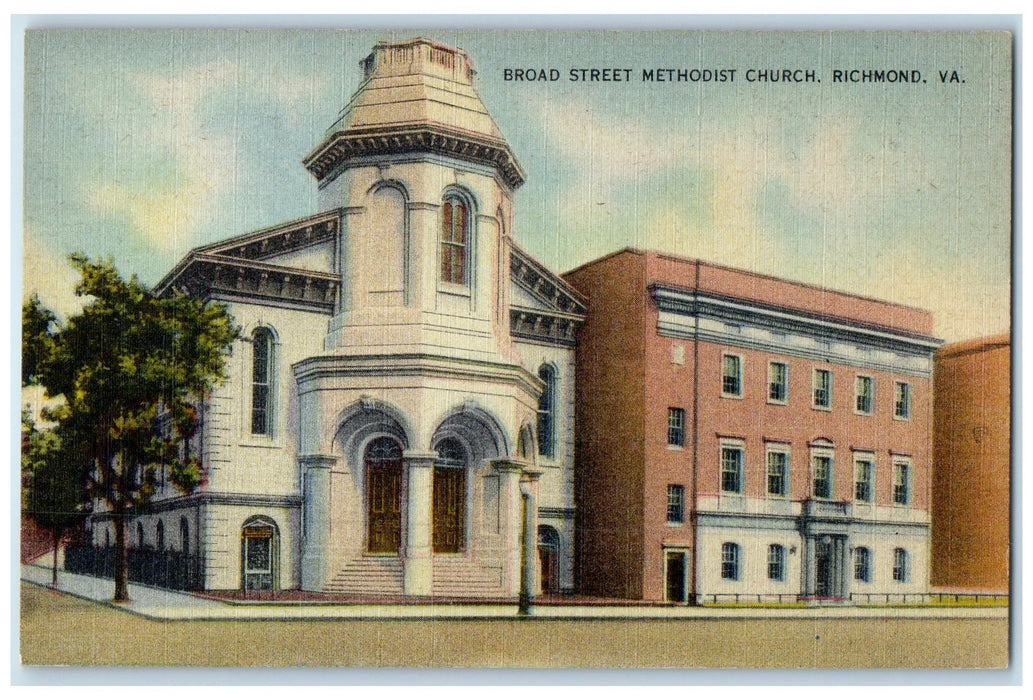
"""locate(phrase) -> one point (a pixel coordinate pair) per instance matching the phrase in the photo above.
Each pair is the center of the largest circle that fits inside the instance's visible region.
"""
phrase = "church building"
(398, 418)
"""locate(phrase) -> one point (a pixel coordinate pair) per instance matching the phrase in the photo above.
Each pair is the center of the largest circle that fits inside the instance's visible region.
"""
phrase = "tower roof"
(416, 95)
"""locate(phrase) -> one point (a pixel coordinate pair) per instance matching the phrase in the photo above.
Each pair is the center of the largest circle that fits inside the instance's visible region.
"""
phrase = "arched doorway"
(449, 507)
(549, 558)
(260, 551)
(383, 462)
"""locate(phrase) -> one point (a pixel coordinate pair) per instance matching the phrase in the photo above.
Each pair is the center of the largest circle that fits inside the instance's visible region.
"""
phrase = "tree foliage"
(38, 324)
(53, 472)
(132, 368)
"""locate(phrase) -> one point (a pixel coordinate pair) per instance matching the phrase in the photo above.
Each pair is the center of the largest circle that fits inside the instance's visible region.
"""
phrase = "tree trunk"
(57, 544)
(121, 557)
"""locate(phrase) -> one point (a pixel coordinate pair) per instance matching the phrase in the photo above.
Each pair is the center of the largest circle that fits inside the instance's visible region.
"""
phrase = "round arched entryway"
(383, 465)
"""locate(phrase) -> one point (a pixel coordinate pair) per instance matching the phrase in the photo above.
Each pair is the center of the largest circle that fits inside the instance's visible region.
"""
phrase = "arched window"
(547, 412)
(730, 561)
(261, 375)
(184, 535)
(862, 565)
(139, 536)
(455, 236)
(549, 557)
(159, 536)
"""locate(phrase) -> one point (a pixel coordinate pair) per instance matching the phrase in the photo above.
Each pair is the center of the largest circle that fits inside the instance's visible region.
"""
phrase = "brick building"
(742, 434)
(971, 477)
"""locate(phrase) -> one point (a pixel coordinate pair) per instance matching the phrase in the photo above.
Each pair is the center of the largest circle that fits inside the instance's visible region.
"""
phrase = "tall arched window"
(261, 376)
(139, 536)
(547, 412)
(159, 536)
(455, 236)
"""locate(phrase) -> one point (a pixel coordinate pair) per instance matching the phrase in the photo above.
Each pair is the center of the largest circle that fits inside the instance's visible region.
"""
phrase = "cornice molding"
(280, 239)
(209, 276)
(545, 326)
(543, 285)
(342, 146)
(218, 498)
(700, 316)
(311, 371)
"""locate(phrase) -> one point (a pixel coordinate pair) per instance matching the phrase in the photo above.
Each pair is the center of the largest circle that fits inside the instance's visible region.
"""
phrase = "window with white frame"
(547, 412)
(900, 565)
(821, 467)
(864, 395)
(862, 564)
(822, 389)
(730, 561)
(864, 472)
(901, 483)
(731, 469)
(731, 378)
(778, 472)
(261, 381)
(902, 401)
(676, 427)
(455, 234)
(675, 503)
(776, 562)
(778, 382)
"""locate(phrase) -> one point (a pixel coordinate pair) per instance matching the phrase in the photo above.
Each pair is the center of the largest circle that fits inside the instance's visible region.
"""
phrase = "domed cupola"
(415, 95)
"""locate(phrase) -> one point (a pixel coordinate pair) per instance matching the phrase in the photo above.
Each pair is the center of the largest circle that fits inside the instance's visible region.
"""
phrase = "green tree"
(54, 497)
(38, 323)
(130, 367)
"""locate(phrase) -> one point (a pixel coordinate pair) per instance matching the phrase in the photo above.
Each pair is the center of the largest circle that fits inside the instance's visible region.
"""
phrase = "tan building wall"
(971, 474)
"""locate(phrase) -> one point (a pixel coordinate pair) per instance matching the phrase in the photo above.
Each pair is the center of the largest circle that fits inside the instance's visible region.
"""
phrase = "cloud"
(186, 149)
(47, 273)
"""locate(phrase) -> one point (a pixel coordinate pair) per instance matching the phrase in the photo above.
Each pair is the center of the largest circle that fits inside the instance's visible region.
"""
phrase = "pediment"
(303, 243)
(535, 287)
(544, 308)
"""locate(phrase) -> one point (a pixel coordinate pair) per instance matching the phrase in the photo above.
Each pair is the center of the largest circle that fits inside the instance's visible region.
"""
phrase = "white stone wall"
(236, 460)
(753, 561)
(222, 544)
(753, 578)
(556, 486)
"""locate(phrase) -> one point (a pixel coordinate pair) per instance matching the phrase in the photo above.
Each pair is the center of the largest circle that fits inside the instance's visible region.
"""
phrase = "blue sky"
(143, 144)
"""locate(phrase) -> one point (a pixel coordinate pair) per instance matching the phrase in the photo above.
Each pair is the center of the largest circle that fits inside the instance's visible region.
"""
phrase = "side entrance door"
(674, 575)
(383, 497)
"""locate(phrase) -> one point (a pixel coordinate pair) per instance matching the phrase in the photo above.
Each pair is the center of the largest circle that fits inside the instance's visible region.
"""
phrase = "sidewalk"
(160, 604)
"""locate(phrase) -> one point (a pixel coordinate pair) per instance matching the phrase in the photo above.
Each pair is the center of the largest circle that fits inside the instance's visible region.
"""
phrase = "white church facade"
(398, 416)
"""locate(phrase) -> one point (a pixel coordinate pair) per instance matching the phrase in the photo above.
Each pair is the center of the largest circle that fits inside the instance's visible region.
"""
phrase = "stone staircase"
(459, 577)
(369, 576)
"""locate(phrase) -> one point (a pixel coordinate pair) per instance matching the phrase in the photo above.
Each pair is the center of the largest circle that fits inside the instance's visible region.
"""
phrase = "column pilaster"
(316, 511)
(418, 569)
(510, 521)
(531, 564)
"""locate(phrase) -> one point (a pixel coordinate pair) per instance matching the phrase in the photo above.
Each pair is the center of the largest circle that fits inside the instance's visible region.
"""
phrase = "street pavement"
(161, 604)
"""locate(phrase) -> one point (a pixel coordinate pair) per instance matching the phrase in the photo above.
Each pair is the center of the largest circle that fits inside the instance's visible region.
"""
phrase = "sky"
(142, 144)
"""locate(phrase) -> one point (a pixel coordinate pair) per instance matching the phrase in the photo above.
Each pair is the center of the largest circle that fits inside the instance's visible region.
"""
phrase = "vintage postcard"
(566, 349)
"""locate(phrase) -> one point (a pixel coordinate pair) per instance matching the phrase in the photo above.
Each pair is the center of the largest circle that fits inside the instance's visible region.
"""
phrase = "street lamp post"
(525, 553)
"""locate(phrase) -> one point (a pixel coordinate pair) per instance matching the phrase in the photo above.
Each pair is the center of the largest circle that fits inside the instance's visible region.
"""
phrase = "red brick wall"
(609, 415)
(971, 479)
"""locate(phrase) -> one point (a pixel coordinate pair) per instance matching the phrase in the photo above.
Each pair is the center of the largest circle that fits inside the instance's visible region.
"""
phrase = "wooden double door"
(384, 479)
(449, 509)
